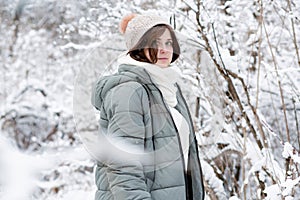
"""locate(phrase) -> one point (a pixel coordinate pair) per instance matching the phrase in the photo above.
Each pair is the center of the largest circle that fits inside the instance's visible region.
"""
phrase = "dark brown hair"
(148, 41)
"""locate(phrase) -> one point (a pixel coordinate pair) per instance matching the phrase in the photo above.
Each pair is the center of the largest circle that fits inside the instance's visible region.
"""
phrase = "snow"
(74, 195)
(289, 185)
(215, 183)
(21, 171)
(234, 198)
(17, 172)
(273, 192)
(290, 151)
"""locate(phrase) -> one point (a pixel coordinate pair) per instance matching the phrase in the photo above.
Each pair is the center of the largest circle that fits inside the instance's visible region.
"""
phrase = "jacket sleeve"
(125, 106)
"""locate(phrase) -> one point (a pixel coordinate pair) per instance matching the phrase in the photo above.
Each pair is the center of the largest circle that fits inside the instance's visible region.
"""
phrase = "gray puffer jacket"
(132, 109)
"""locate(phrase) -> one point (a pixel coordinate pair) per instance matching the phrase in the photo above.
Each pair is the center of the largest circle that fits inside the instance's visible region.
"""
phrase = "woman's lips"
(162, 58)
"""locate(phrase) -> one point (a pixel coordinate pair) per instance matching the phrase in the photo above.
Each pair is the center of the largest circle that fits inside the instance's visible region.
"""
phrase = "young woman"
(144, 115)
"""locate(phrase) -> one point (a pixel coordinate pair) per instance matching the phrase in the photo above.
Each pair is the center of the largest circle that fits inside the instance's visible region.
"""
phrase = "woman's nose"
(162, 48)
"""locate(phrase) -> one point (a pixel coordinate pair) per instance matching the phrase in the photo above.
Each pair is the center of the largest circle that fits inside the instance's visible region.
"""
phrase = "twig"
(243, 163)
(197, 109)
(261, 185)
(259, 53)
(294, 33)
(231, 86)
(218, 50)
(274, 108)
(258, 121)
(297, 124)
(209, 191)
(279, 83)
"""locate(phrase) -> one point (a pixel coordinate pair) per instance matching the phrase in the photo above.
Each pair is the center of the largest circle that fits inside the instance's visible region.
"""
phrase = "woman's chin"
(163, 64)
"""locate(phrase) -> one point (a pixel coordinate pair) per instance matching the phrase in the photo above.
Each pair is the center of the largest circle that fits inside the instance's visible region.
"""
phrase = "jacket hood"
(126, 73)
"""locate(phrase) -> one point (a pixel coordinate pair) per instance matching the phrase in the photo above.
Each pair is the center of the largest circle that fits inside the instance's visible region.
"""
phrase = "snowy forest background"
(241, 76)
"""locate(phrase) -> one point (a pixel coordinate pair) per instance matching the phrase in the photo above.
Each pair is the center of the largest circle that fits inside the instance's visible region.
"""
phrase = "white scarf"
(164, 78)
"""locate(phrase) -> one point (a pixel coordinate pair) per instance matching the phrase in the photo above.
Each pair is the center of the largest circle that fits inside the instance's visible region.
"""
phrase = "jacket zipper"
(194, 141)
(178, 137)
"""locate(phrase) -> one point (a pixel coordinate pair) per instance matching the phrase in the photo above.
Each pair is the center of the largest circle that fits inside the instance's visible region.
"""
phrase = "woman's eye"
(169, 43)
(157, 43)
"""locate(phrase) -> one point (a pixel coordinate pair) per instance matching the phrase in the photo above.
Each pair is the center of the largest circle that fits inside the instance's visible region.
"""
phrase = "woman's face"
(164, 45)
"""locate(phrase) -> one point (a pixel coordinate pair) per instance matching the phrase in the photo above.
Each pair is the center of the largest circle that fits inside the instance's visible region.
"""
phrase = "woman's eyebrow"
(167, 39)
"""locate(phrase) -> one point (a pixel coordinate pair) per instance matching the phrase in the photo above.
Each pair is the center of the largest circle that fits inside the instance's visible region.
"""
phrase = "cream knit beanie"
(134, 26)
